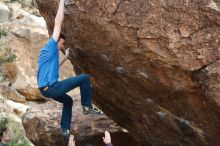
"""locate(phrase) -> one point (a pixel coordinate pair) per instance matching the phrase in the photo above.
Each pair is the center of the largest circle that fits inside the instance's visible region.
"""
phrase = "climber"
(48, 74)
(4, 136)
(106, 140)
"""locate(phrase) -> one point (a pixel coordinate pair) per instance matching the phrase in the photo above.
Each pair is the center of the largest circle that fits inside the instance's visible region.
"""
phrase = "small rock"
(144, 74)
(104, 57)
(11, 93)
(34, 21)
(121, 70)
(26, 89)
(213, 5)
(28, 2)
(185, 31)
(23, 33)
(26, 17)
(18, 107)
(162, 114)
(149, 100)
(183, 123)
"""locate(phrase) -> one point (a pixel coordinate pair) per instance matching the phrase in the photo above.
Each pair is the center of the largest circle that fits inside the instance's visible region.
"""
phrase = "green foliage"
(13, 1)
(8, 56)
(3, 33)
(4, 122)
(9, 1)
(21, 142)
(2, 77)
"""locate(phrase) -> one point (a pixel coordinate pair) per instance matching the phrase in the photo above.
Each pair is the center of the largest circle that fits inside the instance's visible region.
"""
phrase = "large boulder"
(42, 126)
(154, 64)
(4, 13)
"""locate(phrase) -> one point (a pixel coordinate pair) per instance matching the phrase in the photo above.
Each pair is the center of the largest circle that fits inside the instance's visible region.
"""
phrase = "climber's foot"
(91, 110)
(65, 133)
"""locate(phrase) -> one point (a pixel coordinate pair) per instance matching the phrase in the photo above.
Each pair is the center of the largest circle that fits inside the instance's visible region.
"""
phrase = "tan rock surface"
(10, 93)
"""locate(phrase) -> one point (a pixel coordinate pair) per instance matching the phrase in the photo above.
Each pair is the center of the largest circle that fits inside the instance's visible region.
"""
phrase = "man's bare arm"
(67, 52)
(58, 21)
(63, 60)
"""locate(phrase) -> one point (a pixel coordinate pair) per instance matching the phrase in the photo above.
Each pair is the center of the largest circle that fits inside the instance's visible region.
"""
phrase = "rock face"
(11, 93)
(42, 126)
(28, 2)
(4, 13)
(154, 64)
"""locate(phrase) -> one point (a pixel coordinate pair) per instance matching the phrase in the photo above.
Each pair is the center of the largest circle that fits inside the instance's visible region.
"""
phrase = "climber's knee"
(69, 102)
(86, 77)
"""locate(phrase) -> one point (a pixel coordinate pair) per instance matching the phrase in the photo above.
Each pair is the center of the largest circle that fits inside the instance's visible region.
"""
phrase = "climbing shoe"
(91, 110)
(65, 133)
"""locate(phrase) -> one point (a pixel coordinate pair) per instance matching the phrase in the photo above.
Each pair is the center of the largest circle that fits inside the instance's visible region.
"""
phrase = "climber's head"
(4, 135)
(61, 40)
(88, 143)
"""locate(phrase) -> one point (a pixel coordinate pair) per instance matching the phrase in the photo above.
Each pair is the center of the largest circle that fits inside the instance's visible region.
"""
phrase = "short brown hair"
(62, 36)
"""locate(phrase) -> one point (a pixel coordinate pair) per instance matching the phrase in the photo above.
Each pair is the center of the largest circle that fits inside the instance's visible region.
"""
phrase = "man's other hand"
(71, 141)
(67, 52)
(107, 138)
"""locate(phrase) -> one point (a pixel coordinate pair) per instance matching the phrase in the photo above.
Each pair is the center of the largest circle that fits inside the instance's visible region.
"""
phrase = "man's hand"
(67, 52)
(107, 138)
(71, 141)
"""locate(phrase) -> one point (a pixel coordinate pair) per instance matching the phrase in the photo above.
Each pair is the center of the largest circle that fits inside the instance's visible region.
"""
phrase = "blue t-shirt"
(48, 64)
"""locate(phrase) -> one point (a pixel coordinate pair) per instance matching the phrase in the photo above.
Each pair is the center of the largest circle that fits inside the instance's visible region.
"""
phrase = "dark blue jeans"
(58, 90)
